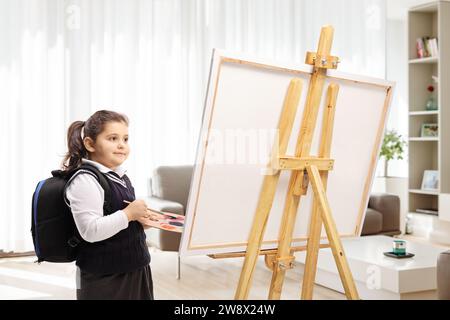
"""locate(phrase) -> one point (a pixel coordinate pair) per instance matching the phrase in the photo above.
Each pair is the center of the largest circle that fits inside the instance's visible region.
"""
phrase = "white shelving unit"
(429, 153)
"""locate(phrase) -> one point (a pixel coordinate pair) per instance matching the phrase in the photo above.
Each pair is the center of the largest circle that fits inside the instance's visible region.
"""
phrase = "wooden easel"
(305, 169)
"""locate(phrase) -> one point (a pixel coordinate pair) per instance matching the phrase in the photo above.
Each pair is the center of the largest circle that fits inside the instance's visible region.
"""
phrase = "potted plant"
(392, 148)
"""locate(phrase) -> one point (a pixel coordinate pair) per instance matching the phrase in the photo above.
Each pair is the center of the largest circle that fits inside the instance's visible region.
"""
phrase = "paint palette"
(165, 221)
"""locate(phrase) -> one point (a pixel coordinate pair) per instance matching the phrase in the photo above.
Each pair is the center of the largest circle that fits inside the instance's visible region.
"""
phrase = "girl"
(113, 260)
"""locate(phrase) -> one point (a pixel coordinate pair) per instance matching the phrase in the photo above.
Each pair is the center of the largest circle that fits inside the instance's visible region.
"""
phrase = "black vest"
(125, 251)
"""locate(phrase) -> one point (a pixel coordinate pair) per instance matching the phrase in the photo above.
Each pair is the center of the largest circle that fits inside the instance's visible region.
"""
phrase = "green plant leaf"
(393, 146)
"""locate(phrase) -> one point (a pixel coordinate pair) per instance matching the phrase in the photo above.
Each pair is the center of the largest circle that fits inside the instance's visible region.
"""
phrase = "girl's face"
(111, 146)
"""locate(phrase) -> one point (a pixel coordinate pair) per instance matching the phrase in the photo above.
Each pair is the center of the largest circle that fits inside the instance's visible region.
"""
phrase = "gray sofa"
(382, 215)
(443, 276)
(169, 190)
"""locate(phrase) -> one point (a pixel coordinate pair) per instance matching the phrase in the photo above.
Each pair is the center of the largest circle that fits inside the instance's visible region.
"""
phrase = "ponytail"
(75, 144)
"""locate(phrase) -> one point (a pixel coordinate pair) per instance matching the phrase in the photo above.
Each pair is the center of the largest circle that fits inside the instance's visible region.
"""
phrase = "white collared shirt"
(86, 197)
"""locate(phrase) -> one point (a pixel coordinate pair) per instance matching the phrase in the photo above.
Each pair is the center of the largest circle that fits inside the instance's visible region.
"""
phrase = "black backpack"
(55, 236)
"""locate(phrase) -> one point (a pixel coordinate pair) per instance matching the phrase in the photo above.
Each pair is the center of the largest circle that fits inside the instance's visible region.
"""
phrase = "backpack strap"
(86, 168)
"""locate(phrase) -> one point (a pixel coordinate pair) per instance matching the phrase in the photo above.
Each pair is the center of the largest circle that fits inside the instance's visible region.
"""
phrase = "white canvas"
(244, 100)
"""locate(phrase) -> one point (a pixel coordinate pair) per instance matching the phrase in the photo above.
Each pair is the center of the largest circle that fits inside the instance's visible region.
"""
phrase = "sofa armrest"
(443, 275)
(165, 205)
(389, 206)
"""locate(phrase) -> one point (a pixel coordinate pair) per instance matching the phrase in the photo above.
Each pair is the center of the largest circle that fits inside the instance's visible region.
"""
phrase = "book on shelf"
(420, 46)
(434, 50)
(427, 47)
(427, 211)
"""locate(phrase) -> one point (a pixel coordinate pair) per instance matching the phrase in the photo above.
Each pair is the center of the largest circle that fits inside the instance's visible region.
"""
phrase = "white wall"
(397, 70)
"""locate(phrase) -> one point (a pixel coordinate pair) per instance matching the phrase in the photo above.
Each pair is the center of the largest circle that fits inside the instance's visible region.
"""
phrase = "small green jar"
(399, 247)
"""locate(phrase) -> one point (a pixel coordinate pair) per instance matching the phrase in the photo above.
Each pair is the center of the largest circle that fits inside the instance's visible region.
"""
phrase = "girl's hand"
(136, 210)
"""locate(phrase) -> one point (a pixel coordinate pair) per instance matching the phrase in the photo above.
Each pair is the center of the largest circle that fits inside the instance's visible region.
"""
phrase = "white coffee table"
(380, 277)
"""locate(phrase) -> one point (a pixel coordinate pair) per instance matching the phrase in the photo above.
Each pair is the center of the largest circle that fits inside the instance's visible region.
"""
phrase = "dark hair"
(92, 128)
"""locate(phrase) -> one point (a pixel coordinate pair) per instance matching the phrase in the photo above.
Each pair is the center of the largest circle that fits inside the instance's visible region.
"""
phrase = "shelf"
(433, 212)
(425, 8)
(426, 192)
(426, 214)
(424, 139)
(424, 60)
(423, 113)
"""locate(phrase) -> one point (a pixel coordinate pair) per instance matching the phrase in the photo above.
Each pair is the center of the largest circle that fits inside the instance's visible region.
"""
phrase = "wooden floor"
(201, 278)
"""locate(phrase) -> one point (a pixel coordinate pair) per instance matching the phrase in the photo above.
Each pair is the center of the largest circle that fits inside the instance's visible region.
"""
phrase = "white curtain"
(62, 60)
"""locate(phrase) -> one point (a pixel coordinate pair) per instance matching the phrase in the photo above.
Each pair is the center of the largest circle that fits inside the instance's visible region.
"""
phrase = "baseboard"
(16, 254)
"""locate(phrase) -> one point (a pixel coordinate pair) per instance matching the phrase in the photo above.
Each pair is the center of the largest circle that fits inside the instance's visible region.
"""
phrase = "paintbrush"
(174, 215)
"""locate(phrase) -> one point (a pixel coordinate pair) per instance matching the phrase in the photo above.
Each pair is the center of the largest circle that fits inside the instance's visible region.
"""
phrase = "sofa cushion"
(373, 222)
(172, 183)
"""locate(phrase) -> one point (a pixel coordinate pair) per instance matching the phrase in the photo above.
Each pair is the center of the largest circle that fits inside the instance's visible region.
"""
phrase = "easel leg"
(333, 237)
(256, 237)
(269, 260)
(268, 190)
(315, 228)
(312, 253)
(178, 268)
(284, 242)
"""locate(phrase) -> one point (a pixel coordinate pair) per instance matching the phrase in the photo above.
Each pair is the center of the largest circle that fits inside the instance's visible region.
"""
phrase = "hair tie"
(82, 130)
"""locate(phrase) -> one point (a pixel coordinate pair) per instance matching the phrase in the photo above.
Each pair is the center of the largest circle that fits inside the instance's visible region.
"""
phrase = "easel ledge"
(262, 252)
